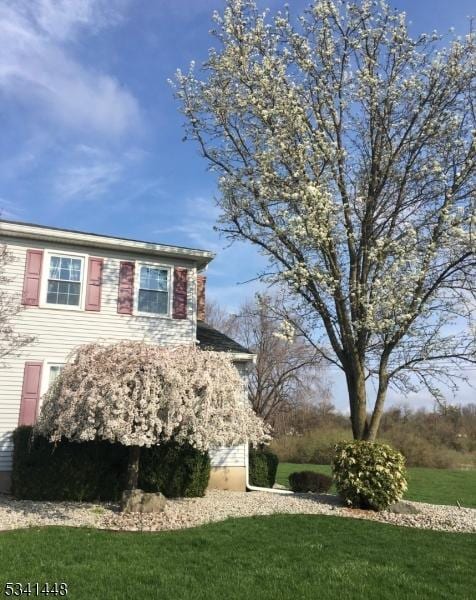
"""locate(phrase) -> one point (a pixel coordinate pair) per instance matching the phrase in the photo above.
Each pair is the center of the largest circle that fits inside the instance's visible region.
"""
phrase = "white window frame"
(45, 376)
(170, 288)
(45, 276)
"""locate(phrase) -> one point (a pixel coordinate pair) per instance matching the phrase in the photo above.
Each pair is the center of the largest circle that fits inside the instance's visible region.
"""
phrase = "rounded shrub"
(263, 465)
(369, 474)
(309, 481)
(176, 470)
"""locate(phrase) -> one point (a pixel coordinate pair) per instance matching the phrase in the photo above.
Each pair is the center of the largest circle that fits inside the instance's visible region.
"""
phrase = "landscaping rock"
(403, 508)
(137, 501)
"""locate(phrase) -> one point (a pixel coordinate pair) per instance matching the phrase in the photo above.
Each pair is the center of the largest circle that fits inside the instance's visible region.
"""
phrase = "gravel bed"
(218, 506)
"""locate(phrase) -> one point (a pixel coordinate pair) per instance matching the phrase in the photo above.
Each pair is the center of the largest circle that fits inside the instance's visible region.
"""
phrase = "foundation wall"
(228, 478)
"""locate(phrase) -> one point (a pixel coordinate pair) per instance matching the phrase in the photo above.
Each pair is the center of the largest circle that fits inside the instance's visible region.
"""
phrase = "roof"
(212, 339)
(83, 238)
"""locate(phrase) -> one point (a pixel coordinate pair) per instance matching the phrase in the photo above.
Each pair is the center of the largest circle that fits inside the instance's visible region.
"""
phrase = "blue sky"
(91, 135)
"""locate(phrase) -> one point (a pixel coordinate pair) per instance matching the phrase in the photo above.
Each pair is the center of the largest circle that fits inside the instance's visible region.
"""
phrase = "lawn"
(437, 486)
(276, 557)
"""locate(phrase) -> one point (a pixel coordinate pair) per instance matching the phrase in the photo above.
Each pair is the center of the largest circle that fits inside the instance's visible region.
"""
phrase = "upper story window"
(64, 280)
(153, 293)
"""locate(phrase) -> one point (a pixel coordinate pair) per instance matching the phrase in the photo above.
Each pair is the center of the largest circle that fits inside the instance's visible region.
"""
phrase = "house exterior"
(78, 288)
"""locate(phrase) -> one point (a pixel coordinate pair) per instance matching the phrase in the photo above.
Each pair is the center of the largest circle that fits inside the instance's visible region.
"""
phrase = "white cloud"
(37, 65)
(198, 218)
(86, 182)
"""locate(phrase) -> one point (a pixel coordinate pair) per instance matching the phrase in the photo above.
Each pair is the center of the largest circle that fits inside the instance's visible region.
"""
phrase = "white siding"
(59, 331)
(228, 457)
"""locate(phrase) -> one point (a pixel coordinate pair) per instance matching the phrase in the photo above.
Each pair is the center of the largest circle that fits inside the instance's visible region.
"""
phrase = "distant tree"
(346, 152)
(141, 395)
(288, 371)
(11, 341)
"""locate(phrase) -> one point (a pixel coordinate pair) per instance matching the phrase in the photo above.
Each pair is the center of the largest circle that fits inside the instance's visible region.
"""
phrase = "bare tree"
(11, 342)
(288, 370)
(346, 151)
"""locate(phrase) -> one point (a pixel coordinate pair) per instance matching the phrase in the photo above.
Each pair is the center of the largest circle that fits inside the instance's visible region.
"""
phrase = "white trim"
(136, 312)
(45, 276)
(23, 230)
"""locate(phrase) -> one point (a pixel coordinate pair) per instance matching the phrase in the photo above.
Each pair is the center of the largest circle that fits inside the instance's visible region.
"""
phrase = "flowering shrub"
(368, 474)
(141, 395)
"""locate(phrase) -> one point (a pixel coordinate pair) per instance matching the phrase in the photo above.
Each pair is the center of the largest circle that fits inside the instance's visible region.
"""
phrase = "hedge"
(309, 481)
(176, 471)
(263, 465)
(92, 471)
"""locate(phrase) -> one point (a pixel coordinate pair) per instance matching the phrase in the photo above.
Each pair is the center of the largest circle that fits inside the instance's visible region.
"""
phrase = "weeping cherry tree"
(142, 395)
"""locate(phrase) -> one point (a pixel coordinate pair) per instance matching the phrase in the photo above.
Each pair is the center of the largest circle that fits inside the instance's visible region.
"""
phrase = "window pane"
(152, 278)
(65, 268)
(61, 292)
(153, 302)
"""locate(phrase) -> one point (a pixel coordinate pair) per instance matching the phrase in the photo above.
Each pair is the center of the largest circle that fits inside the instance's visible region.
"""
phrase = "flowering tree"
(346, 152)
(141, 395)
(11, 341)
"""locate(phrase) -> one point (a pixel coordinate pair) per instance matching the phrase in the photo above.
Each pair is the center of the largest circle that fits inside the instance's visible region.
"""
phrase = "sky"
(91, 136)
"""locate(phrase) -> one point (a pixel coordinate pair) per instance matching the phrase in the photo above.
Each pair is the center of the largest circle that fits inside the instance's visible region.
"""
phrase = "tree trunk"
(358, 403)
(378, 408)
(133, 467)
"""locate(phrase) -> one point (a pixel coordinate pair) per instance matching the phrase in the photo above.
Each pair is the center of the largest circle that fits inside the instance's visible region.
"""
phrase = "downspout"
(254, 488)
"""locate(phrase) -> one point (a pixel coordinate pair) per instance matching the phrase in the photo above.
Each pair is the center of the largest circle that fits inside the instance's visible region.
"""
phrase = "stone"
(137, 501)
(403, 508)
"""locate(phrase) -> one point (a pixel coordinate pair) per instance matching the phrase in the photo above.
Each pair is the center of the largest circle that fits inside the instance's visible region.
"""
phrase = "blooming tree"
(141, 395)
(11, 340)
(345, 151)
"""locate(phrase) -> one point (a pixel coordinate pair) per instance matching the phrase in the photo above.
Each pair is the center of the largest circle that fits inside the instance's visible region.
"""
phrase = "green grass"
(277, 557)
(437, 486)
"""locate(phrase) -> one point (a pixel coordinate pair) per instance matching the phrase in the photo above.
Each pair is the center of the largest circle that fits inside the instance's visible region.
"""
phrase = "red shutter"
(94, 283)
(31, 283)
(180, 293)
(125, 300)
(30, 395)
(201, 282)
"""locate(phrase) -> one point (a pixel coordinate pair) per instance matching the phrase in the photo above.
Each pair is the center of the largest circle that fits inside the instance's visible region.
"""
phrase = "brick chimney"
(201, 282)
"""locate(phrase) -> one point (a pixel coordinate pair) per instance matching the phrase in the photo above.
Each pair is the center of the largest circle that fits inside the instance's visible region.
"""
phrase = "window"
(153, 294)
(64, 281)
(51, 371)
(54, 371)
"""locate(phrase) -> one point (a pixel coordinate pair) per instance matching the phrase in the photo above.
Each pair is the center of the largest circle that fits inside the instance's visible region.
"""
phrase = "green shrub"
(369, 474)
(263, 465)
(310, 481)
(66, 471)
(174, 470)
(92, 471)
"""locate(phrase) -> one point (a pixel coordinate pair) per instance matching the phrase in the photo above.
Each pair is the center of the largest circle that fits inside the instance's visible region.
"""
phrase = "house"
(80, 287)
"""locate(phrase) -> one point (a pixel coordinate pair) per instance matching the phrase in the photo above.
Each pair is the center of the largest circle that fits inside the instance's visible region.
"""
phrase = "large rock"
(403, 508)
(142, 502)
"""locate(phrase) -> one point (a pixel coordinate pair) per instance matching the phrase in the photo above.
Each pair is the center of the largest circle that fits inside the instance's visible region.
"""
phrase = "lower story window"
(53, 373)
